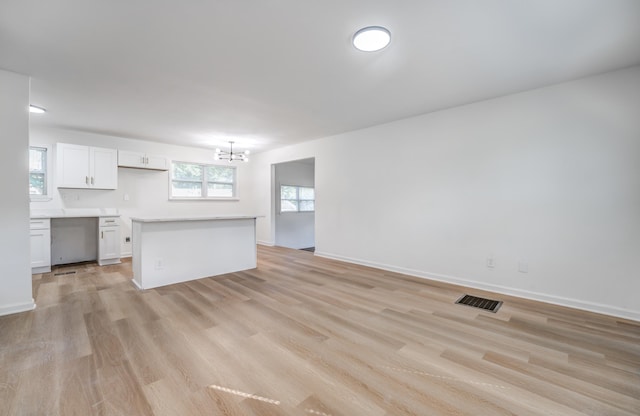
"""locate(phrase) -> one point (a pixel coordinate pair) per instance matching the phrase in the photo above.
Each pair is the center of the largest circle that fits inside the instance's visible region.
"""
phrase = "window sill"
(40, 198)
(206, 199)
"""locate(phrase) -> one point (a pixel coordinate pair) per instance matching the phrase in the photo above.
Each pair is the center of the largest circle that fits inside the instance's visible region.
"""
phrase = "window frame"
(203, 183)
(47, 174)
(298, 200)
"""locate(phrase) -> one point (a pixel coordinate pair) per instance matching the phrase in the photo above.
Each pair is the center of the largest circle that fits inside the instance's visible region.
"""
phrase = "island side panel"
(136, 254)
(178, 251)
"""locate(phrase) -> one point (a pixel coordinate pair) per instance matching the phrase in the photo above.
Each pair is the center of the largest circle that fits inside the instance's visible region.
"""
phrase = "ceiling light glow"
(36, 109)
(371, 38)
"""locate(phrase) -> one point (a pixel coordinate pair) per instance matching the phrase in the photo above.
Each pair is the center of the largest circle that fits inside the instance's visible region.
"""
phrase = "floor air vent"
(482, 303)
(63, 273)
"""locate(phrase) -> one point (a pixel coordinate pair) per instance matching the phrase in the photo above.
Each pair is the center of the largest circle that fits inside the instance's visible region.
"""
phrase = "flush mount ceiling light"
(371, 38)
(36, 109)
(231, 156)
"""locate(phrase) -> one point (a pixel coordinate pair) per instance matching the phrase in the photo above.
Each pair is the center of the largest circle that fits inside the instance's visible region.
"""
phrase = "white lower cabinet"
(108, 241)
(41, 242)
(40, 245)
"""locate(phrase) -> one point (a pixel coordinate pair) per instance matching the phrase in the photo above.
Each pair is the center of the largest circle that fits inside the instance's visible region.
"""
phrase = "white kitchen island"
(177, 249)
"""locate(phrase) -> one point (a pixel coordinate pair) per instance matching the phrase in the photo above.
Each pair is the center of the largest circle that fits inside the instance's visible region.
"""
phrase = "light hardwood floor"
(302, 335)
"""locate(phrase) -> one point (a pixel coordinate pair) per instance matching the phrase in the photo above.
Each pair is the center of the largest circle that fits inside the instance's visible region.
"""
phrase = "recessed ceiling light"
(371, 38)
(36, 109)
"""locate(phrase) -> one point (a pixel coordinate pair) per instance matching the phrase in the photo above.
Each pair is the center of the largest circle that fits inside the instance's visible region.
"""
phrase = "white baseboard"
(17, 307)
(266, 243)
(542, 297)
(126, 254)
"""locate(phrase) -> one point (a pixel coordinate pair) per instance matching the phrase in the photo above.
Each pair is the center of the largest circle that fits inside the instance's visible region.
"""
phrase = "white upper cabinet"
(103, 167)
(86, 167)
(127, 159)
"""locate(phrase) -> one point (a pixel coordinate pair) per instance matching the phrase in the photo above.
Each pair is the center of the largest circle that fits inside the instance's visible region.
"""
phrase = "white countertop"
(74, 213)
(192, 218)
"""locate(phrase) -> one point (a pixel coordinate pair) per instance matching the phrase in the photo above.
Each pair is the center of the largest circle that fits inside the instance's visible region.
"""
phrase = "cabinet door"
(104, 168)
(131, 159)
(109, 243)
(72, 166)
(40, 248)
(156, 162)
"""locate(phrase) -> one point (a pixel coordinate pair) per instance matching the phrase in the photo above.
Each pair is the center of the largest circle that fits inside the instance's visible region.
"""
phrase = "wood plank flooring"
(302, 335)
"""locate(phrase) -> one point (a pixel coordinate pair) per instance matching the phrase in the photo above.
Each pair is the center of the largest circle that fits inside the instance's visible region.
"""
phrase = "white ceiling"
(267, 73)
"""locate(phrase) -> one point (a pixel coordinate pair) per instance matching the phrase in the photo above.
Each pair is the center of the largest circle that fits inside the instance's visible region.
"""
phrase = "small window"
(202, 181)
(38, 178)
(297, 199)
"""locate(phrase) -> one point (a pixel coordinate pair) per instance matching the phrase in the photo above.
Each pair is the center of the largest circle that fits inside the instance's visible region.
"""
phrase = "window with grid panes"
(202, 181)
(38, 171)
(297, 198)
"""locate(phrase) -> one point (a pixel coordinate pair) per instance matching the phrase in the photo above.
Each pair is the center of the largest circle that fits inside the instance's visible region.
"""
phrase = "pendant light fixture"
(231, 156)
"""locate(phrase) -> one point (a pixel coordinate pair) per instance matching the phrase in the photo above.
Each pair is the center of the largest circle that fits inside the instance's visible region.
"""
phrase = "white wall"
(549, 177)
(294, 229)
(15, 278)
(148, 190)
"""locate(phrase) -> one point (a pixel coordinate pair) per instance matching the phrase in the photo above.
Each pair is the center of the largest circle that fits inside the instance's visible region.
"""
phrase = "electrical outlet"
(159, 264)
(491, 262)
(70, 197)
(127, 239)
(523, 266)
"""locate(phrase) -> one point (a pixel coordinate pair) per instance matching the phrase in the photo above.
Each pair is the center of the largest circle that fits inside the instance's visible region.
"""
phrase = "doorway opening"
(294, 204)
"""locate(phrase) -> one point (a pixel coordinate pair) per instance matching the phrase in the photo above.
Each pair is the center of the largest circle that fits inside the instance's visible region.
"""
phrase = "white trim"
(266, 243)
(39, 270)
(556, 300)
(195, 198)
(17, 307)
(136, 284)
(108, 262)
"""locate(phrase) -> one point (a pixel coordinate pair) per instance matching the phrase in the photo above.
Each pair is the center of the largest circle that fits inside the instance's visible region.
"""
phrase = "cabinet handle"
(92, 180)
(102, 235)
(86, 180)
(110, 221)
(146, 160)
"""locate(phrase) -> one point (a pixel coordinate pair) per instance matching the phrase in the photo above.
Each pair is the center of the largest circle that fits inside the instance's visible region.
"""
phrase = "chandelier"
(231, 156)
